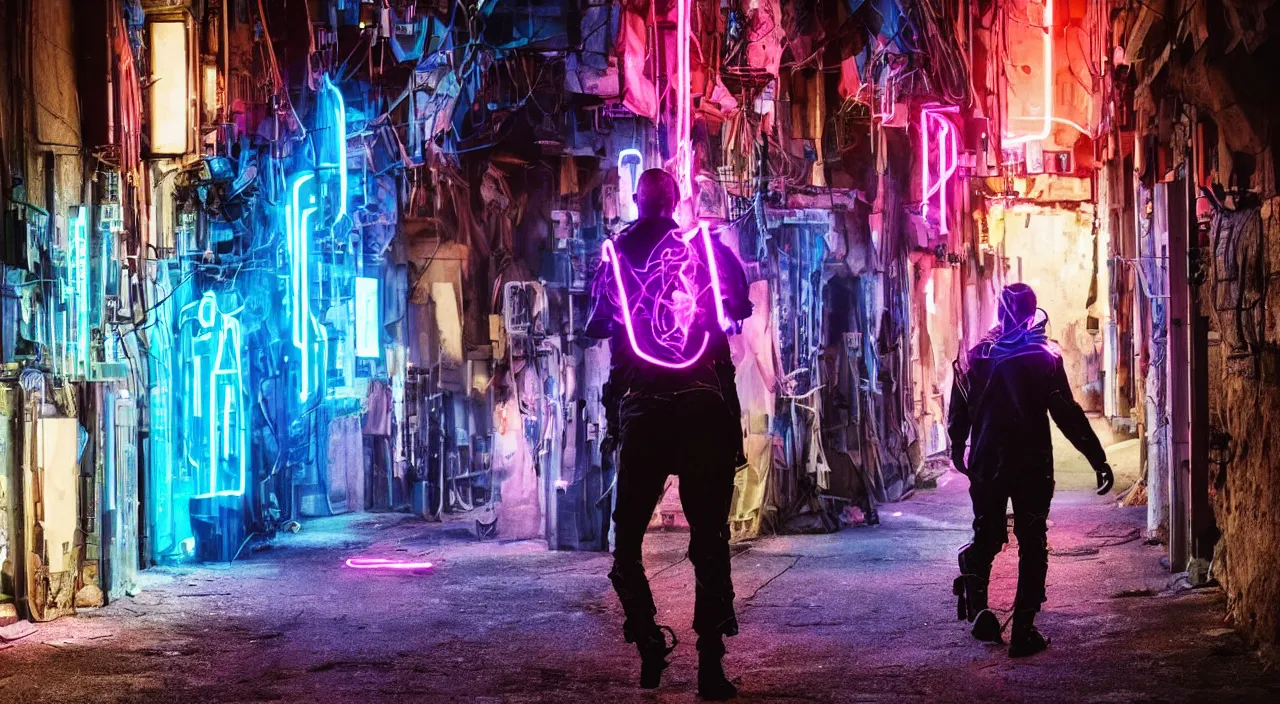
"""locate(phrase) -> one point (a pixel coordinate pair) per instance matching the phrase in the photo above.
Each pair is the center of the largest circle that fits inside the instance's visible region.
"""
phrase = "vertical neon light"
(298, 240)
(1048, 119)
(684, 102)
(76, 296)
(340, 135)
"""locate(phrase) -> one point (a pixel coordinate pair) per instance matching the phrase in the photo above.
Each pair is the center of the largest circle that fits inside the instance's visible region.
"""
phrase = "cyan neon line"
(229, 434)
(303, 286)
(78, 273)
(340, 129)
(610, 254)
(226, 422)
(197, 402)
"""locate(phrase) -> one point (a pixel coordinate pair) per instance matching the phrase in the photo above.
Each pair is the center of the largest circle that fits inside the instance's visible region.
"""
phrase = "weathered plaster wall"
(1245, 404)
(1052, 250)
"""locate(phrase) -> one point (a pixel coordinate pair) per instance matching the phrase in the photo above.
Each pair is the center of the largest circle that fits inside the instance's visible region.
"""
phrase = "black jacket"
(1003, 400)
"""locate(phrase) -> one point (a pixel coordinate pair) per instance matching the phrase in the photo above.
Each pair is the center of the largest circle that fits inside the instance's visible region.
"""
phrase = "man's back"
(664, 277)
(1008, 404)
(1005, 399)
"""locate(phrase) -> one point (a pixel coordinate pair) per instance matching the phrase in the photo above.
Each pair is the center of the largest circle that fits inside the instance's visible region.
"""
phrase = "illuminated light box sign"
(216, 430)
(658, 303)
(169, 92)
(630, 166)
(367, 318)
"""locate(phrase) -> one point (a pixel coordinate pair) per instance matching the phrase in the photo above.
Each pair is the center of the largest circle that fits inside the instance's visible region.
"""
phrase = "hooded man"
(664, 298)
(1001, 401)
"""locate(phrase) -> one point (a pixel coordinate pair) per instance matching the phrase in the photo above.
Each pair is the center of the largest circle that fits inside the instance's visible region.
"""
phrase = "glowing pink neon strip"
(725, 323)
(1048, 84)
(684, 102)
(610, 254)
(378, 563)
(948, 159)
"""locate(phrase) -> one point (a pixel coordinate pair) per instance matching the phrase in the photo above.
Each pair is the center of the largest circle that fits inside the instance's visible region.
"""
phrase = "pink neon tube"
(684, 99)
(1048, 83)
(378, 563)
(610, 254)
(948, 158)
(725, 323)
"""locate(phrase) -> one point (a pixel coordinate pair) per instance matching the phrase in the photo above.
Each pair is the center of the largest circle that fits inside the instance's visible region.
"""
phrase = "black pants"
(688, 438)
(1031, 498)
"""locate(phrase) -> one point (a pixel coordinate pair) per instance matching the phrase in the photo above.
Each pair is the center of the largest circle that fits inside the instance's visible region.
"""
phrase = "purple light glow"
(669, 282)
(932, 116)
(380, 563)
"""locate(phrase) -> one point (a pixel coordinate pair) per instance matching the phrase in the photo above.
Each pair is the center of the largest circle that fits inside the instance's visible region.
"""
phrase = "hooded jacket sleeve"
(958, 424)
(1071, 419)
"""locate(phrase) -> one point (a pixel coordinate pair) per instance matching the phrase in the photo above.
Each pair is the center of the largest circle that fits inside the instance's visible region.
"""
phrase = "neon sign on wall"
(937, 128)
(216, 430)
(658, 303)
(305, 192)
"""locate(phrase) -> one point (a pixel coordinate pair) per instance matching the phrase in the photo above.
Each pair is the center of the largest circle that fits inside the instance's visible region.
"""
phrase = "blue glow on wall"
(298, 241)
(216, 434)
(367, 319)
(75, 295)
(339, 132)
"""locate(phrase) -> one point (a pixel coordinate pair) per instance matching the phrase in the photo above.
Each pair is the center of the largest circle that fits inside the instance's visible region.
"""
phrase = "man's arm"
(1075, 426)
(958, 423)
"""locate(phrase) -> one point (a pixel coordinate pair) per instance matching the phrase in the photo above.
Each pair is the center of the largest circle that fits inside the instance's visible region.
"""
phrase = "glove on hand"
(1106, 479)
(957, 461)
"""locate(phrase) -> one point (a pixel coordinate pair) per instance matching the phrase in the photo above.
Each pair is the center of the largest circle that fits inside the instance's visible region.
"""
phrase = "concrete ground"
(864, 615)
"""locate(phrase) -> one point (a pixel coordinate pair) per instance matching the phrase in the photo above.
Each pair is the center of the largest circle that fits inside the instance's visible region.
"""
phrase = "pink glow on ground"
(381, 563)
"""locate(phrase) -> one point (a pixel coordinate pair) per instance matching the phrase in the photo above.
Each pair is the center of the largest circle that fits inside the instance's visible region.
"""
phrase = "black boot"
(971, 605)
(653, 655)
(1025, 639)
(712, 684)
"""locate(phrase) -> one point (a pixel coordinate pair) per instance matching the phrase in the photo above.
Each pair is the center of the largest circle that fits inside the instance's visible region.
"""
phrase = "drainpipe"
(1179, 377)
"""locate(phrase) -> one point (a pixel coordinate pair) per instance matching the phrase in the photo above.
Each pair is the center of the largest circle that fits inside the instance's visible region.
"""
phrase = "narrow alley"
(421, 350)
(864, 615)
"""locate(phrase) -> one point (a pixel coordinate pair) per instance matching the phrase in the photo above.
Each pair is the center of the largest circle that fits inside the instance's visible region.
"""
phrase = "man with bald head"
(672, 410)
(1009, 386)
